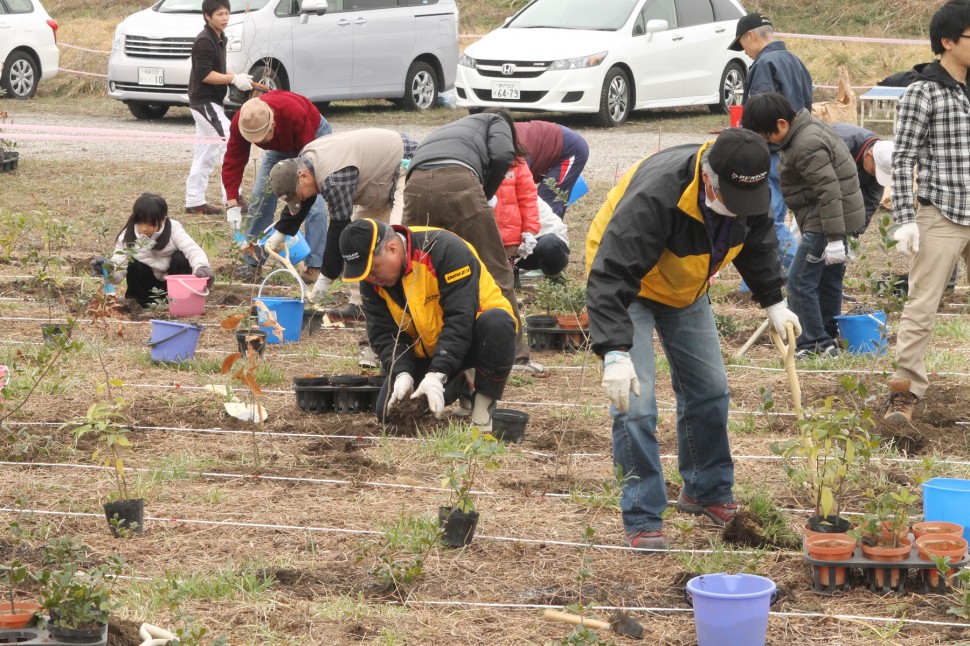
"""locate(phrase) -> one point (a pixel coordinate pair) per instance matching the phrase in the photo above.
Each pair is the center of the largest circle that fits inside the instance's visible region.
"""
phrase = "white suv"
(607, 57)
(403, 50)
(28, 47)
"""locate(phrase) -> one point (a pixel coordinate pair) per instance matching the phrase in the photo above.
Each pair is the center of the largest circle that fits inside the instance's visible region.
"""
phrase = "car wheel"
(615, 99)
(147, 111)
(20, 76)
(270, 77)
(420, 87)
(731, 88)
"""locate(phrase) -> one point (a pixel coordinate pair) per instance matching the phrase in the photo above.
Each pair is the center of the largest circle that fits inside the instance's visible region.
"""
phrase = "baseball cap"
(741, 160)
(255, 120)
(282, 181)
(357, 244)
(746, 24)
(882, 155)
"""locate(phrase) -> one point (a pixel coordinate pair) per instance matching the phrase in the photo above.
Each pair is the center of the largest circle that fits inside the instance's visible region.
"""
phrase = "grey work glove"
(320, 287)
(403, 386)
(97, 266)
(619, 378)
(432, 387)
(206, 272)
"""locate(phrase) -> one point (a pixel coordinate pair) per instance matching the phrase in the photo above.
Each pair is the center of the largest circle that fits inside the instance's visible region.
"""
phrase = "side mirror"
(655, 26)
(318, 7)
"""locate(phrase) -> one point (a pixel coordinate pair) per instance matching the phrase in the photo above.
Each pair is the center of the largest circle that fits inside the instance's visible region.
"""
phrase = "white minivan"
(402, 50)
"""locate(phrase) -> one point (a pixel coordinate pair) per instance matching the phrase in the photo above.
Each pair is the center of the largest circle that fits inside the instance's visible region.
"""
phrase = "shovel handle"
(576, 620)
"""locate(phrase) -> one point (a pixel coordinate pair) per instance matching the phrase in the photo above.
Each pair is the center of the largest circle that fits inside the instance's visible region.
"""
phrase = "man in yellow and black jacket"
(433, 311)
(670, 224)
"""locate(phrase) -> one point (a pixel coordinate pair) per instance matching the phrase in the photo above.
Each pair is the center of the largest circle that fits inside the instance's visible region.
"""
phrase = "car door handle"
(720, 31)
(360, 21)
(343, 22)
(676, 38)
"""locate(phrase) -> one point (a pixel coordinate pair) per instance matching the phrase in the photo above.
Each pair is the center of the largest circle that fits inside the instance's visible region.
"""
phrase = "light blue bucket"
(296, 246)
(731, 609)
(580, 188)
(947, 499)
(288, 312)
(173, 342)
(864, 333)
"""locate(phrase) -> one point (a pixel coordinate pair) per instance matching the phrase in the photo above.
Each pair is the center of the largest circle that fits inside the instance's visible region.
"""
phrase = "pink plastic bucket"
(186, 294)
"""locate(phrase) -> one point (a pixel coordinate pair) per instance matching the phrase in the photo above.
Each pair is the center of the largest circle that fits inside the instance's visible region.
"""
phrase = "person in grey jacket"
(873, 160)
(452, 176)
(820, 184)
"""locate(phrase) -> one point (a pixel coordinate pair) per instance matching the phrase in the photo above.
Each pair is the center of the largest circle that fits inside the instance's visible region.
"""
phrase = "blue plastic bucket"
(173, 342)
(947, 499)
(288, 312)
(864, 333)
(297, 246)
(731, 609)
(580, 188)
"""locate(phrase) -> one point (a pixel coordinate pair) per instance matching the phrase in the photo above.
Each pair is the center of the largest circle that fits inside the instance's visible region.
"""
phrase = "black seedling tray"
(337, 399)
(555, 338)
(869, 567)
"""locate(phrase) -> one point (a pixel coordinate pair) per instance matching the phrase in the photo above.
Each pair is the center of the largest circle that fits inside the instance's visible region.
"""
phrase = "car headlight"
(579, 62)
(119, 39)
(466, 61)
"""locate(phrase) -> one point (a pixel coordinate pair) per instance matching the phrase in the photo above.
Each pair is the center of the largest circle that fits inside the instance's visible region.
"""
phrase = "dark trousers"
(815, 293)
(551, 255)
(575, 153)
(141, 279)
(491, 355)
(452, 198)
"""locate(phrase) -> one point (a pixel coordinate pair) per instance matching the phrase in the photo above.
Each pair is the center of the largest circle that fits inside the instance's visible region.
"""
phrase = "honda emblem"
(508, 69)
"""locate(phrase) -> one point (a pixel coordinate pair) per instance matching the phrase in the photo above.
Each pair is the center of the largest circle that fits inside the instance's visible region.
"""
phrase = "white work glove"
(234, 217)
(778, 315)
(834, 253)
(908, 238)
(404, 386)
(492, 201)
(276, 242)
(528, 245)
(432, 387)
(795, 232)
(320, 287)
(243, 82)
(619, 378)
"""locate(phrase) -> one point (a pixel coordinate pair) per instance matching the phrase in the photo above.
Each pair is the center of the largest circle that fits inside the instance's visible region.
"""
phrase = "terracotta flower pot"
(888, 555)
(23, 614)
(936, 527)
(929, 545)
(576, 326)
(830, 547)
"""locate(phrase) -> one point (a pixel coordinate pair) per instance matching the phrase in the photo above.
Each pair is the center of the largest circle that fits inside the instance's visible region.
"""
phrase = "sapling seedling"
(480, 453)
(14, 572)
(105, 421)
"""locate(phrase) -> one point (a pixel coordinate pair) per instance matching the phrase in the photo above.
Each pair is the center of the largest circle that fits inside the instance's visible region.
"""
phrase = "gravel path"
(611, 151)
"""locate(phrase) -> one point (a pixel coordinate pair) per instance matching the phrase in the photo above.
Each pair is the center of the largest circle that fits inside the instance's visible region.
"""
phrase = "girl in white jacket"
(150, 247)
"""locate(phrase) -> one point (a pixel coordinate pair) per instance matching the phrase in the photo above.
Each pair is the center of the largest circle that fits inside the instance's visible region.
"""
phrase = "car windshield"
(195, 6)
(601, 15)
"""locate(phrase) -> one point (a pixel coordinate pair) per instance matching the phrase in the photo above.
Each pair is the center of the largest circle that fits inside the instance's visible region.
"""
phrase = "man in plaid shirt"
(933, 133)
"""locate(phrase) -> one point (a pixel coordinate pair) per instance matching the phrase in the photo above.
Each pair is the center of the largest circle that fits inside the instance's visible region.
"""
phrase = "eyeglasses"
(963, 36)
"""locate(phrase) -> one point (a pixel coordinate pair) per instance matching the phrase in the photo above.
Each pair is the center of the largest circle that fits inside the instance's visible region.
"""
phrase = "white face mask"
(719, 207)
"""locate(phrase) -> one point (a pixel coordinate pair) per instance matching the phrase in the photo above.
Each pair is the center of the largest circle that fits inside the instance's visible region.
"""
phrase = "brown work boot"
(310, 275)
(902, 403)
(204, 209)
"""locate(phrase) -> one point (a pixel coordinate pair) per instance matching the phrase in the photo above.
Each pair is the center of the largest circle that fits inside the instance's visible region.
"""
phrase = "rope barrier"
(84, 49)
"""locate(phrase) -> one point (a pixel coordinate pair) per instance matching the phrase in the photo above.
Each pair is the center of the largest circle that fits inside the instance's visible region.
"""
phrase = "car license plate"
(505, 90)
(151, 76)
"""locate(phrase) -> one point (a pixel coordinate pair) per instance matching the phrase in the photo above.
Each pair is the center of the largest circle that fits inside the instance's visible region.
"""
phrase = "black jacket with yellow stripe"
(442, 291)
(650, 240)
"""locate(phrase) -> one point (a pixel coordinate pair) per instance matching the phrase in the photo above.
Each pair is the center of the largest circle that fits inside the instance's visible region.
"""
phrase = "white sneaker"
(464, 408)
(368, 358)
(530, 368)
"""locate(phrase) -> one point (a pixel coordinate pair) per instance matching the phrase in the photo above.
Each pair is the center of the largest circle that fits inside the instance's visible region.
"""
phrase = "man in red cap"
(433, 312)
(281, 123)
(673, 221)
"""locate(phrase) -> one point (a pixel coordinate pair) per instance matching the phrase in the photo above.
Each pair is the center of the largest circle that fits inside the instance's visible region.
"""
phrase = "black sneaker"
(351, 312)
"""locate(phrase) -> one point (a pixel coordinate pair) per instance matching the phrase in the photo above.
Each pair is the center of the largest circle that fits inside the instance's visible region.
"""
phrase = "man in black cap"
(673, 221)
(433, 311)
(775, 69)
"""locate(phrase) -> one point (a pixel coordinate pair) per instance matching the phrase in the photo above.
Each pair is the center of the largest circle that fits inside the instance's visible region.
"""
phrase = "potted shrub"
(883, 531)
(79, 602)
(13, 613)
(459, 518)
(830, 442)
(124, 514)
(47, 278)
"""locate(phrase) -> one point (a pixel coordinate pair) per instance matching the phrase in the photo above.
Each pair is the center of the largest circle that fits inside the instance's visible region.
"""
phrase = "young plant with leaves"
(480, 453)
(106, 421)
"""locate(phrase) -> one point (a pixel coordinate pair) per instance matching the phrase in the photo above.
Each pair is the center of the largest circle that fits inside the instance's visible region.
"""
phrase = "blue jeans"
(690, 342)
(262, 206)
(815, 293)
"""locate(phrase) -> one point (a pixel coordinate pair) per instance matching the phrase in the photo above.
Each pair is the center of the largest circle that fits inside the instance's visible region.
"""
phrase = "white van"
(402, 50)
